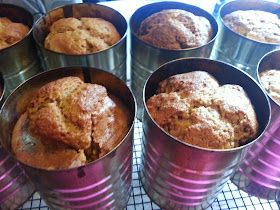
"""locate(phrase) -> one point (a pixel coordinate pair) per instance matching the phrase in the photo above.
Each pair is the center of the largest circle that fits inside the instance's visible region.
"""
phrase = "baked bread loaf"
(69, 123)
(254, 24)
(175, 29)
(81, 36)
(270, 80)
(202, 113)
(11, 32)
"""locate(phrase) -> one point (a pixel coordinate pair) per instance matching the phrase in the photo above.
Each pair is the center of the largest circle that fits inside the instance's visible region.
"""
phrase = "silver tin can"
(102, 184)
(259, 173)
(18, 61)
(51, 4)
(146, 58)
(112, 59)
(15, 187)
(178, 175)
(236, 49)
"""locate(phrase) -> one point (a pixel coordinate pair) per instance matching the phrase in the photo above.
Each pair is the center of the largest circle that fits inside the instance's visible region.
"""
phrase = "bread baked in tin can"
(102, 183)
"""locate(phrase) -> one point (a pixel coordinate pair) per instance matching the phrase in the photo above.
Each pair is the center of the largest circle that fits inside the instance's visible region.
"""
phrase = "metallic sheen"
(178, 175)
(112, 59)
(236, 49)
(15, 187)
(146, 58)
(101, 184)
(259, 173)
(20, 60)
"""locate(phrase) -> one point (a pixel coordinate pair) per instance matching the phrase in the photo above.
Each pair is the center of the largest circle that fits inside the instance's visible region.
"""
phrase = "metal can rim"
(258, 75)
(240, 35)
(130, 130)
(29, 32)
(171, 138)
(176, 50)
(79, 55)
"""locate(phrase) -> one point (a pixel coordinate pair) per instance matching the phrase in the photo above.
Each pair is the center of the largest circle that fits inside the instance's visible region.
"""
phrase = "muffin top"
(72, 120)
(254, 24)
(270, 80)
(81, 36)
(175, 29)
(203, 113)
(11, 32)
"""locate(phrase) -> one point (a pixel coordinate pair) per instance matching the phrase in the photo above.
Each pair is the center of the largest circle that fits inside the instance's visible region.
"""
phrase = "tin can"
(236, 49)
(112, 59)
(102, 184)
(259, 173)
(15, 187)
(178, 175)
(50, 4)
(146, 58)
(18, 61)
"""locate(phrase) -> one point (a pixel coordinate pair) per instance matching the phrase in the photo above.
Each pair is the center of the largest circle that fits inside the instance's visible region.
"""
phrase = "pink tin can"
(101, 184)
(15, 187)
(259, 173)
(178, 175)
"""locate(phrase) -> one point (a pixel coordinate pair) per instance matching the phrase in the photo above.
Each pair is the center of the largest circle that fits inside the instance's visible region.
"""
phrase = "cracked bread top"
(81, 36)
(77, 120)
(175, 29)
(11, 32)
(270, 80)
(257, 25)
(213, 116)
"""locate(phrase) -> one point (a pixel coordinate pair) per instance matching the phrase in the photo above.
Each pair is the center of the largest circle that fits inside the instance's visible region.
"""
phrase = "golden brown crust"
(196, 81)
(257, 25)
(236, 108)
(209, 116)
(87, 35)
(11, 32)
(109, 124)
(77, 119)
(32, 150)
(175, 29)
(270, 80)
(62, 110)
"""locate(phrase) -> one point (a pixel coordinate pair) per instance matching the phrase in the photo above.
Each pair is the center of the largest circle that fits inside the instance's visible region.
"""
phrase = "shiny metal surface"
(112, 59)
(146, 58)
(15, 187)
(259, 173)
(178, 175)
(236, 49)
(101, 184)
(50, 4)
(20, 60)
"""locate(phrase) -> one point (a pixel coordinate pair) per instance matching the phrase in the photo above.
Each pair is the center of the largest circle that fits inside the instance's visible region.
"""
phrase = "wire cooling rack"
(229, 198)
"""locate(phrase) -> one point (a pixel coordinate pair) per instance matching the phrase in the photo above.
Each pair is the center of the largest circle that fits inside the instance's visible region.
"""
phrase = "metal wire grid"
(230, 198)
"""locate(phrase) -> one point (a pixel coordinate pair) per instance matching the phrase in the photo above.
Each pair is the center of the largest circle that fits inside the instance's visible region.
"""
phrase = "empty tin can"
(236, 49)
(18, 61)
(178, 175)
(146, 58)
(112, 59)
(15, 187)
(102, 184)
(259, 173)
